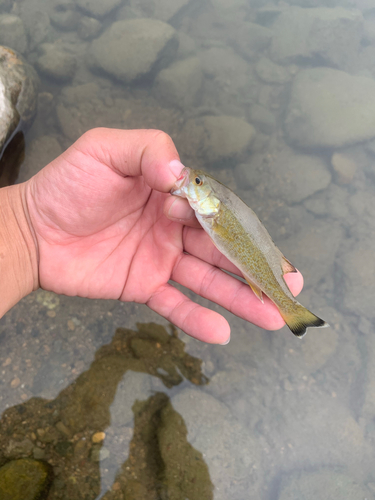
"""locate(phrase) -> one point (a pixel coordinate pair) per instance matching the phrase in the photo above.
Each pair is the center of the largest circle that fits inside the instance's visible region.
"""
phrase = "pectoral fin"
(286, 266)
(255, 289)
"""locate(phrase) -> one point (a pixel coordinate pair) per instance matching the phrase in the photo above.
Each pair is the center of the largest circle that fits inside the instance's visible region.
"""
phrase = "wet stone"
(224, 443)
(262, 118)
(319, 114)
(13, 33)
(250, 38)
(320, 33)
(89, 28)
(25, 479)
(16, 449)
(357, 268)
(285, 175)
(130, 50)
(328, 484)
(56, 63)
(179, 84)
(270, 72)
(98, 8)
(220, 140)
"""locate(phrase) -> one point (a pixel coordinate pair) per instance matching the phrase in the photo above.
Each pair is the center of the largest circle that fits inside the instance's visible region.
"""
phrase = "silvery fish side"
(239, 235)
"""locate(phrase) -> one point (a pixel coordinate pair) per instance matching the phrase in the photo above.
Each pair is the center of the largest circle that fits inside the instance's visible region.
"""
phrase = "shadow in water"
(11, 158)
(113, 433)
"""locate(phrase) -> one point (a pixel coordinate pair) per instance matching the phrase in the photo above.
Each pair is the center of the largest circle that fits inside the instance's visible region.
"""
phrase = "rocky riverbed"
(277, 101)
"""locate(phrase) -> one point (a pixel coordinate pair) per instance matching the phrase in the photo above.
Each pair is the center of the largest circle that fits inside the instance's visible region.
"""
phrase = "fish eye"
(198, 181)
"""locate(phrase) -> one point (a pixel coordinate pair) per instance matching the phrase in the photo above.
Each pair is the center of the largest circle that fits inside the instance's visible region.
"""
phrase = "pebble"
(7, 362)
(15, 383)
(98, 437)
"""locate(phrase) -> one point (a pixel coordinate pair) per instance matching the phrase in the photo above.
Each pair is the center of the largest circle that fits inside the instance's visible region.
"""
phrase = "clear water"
(267, 416)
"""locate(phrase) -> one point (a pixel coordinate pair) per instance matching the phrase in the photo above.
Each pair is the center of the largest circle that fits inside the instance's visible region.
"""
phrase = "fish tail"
(299, 318)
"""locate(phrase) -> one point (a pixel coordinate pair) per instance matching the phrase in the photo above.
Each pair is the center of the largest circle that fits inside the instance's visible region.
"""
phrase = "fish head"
(195, 186)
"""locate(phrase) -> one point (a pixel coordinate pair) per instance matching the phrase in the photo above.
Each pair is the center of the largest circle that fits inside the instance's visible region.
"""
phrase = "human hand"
(98, 217)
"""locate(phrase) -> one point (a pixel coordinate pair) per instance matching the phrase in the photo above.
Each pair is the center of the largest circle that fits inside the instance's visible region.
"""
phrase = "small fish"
(239, 235)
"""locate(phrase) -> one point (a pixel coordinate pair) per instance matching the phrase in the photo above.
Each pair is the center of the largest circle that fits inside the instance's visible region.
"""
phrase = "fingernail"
(226, 342)
(175, 166)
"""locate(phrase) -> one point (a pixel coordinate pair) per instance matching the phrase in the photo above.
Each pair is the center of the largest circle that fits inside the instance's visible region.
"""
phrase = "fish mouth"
(181, 182)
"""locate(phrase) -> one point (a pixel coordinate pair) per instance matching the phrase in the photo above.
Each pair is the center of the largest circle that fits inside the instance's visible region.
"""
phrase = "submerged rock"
(18, 98)
(179, 84)
(25, 479)
(322, 484)
(56, 63)
(330, 108)
(357, 268)
(131, 50)
(333, 35)
(218, 140)
(98, 8)
(285, 175)
(13, 33)
(224, 443)
(164, 10)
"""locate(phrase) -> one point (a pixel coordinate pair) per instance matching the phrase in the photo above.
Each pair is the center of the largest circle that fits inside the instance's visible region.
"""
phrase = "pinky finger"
(195, 320)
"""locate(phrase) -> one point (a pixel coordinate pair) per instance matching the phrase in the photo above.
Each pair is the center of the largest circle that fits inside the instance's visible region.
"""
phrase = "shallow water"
(278, 102)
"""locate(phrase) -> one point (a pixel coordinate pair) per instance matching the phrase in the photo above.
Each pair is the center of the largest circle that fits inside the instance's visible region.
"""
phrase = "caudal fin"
(300, 318)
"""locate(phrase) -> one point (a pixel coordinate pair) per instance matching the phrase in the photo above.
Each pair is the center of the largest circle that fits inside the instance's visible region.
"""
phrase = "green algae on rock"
(25, 479)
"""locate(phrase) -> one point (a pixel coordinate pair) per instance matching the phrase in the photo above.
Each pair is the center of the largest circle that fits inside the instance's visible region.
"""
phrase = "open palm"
(97, 213)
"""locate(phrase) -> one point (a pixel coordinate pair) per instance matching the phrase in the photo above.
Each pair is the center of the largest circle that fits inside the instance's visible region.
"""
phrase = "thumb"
(150, 153)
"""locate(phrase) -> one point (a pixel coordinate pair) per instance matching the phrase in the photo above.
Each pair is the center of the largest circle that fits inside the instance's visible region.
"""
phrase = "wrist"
(18, 250)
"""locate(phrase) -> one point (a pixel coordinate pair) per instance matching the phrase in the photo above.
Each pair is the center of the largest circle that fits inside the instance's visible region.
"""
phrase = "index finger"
(146, 152)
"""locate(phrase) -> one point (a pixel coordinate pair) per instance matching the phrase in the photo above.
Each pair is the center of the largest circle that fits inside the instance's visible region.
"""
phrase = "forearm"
(18, 254)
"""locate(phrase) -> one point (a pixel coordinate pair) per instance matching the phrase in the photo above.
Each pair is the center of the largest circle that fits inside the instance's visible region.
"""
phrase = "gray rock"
(13, 33)
(218, 140)
(65, 15)
(333, 35)
(164, 10)
(357, 268)
(18, 93)
(38, 27)
(133, 386)
(310, 428)
(262, 118)
(15, 449)
(328, 484)
(249, 39)
(179, 84)
(313, 250)
(224, 444)
(56, 63)
(186, 46)
(130, 50)
(229, 82)
(330, 108)
(230, 10)
(270, 72)
(300, 359)
(98, 8)
(89, 28)
(285, 175)
(6, 5)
